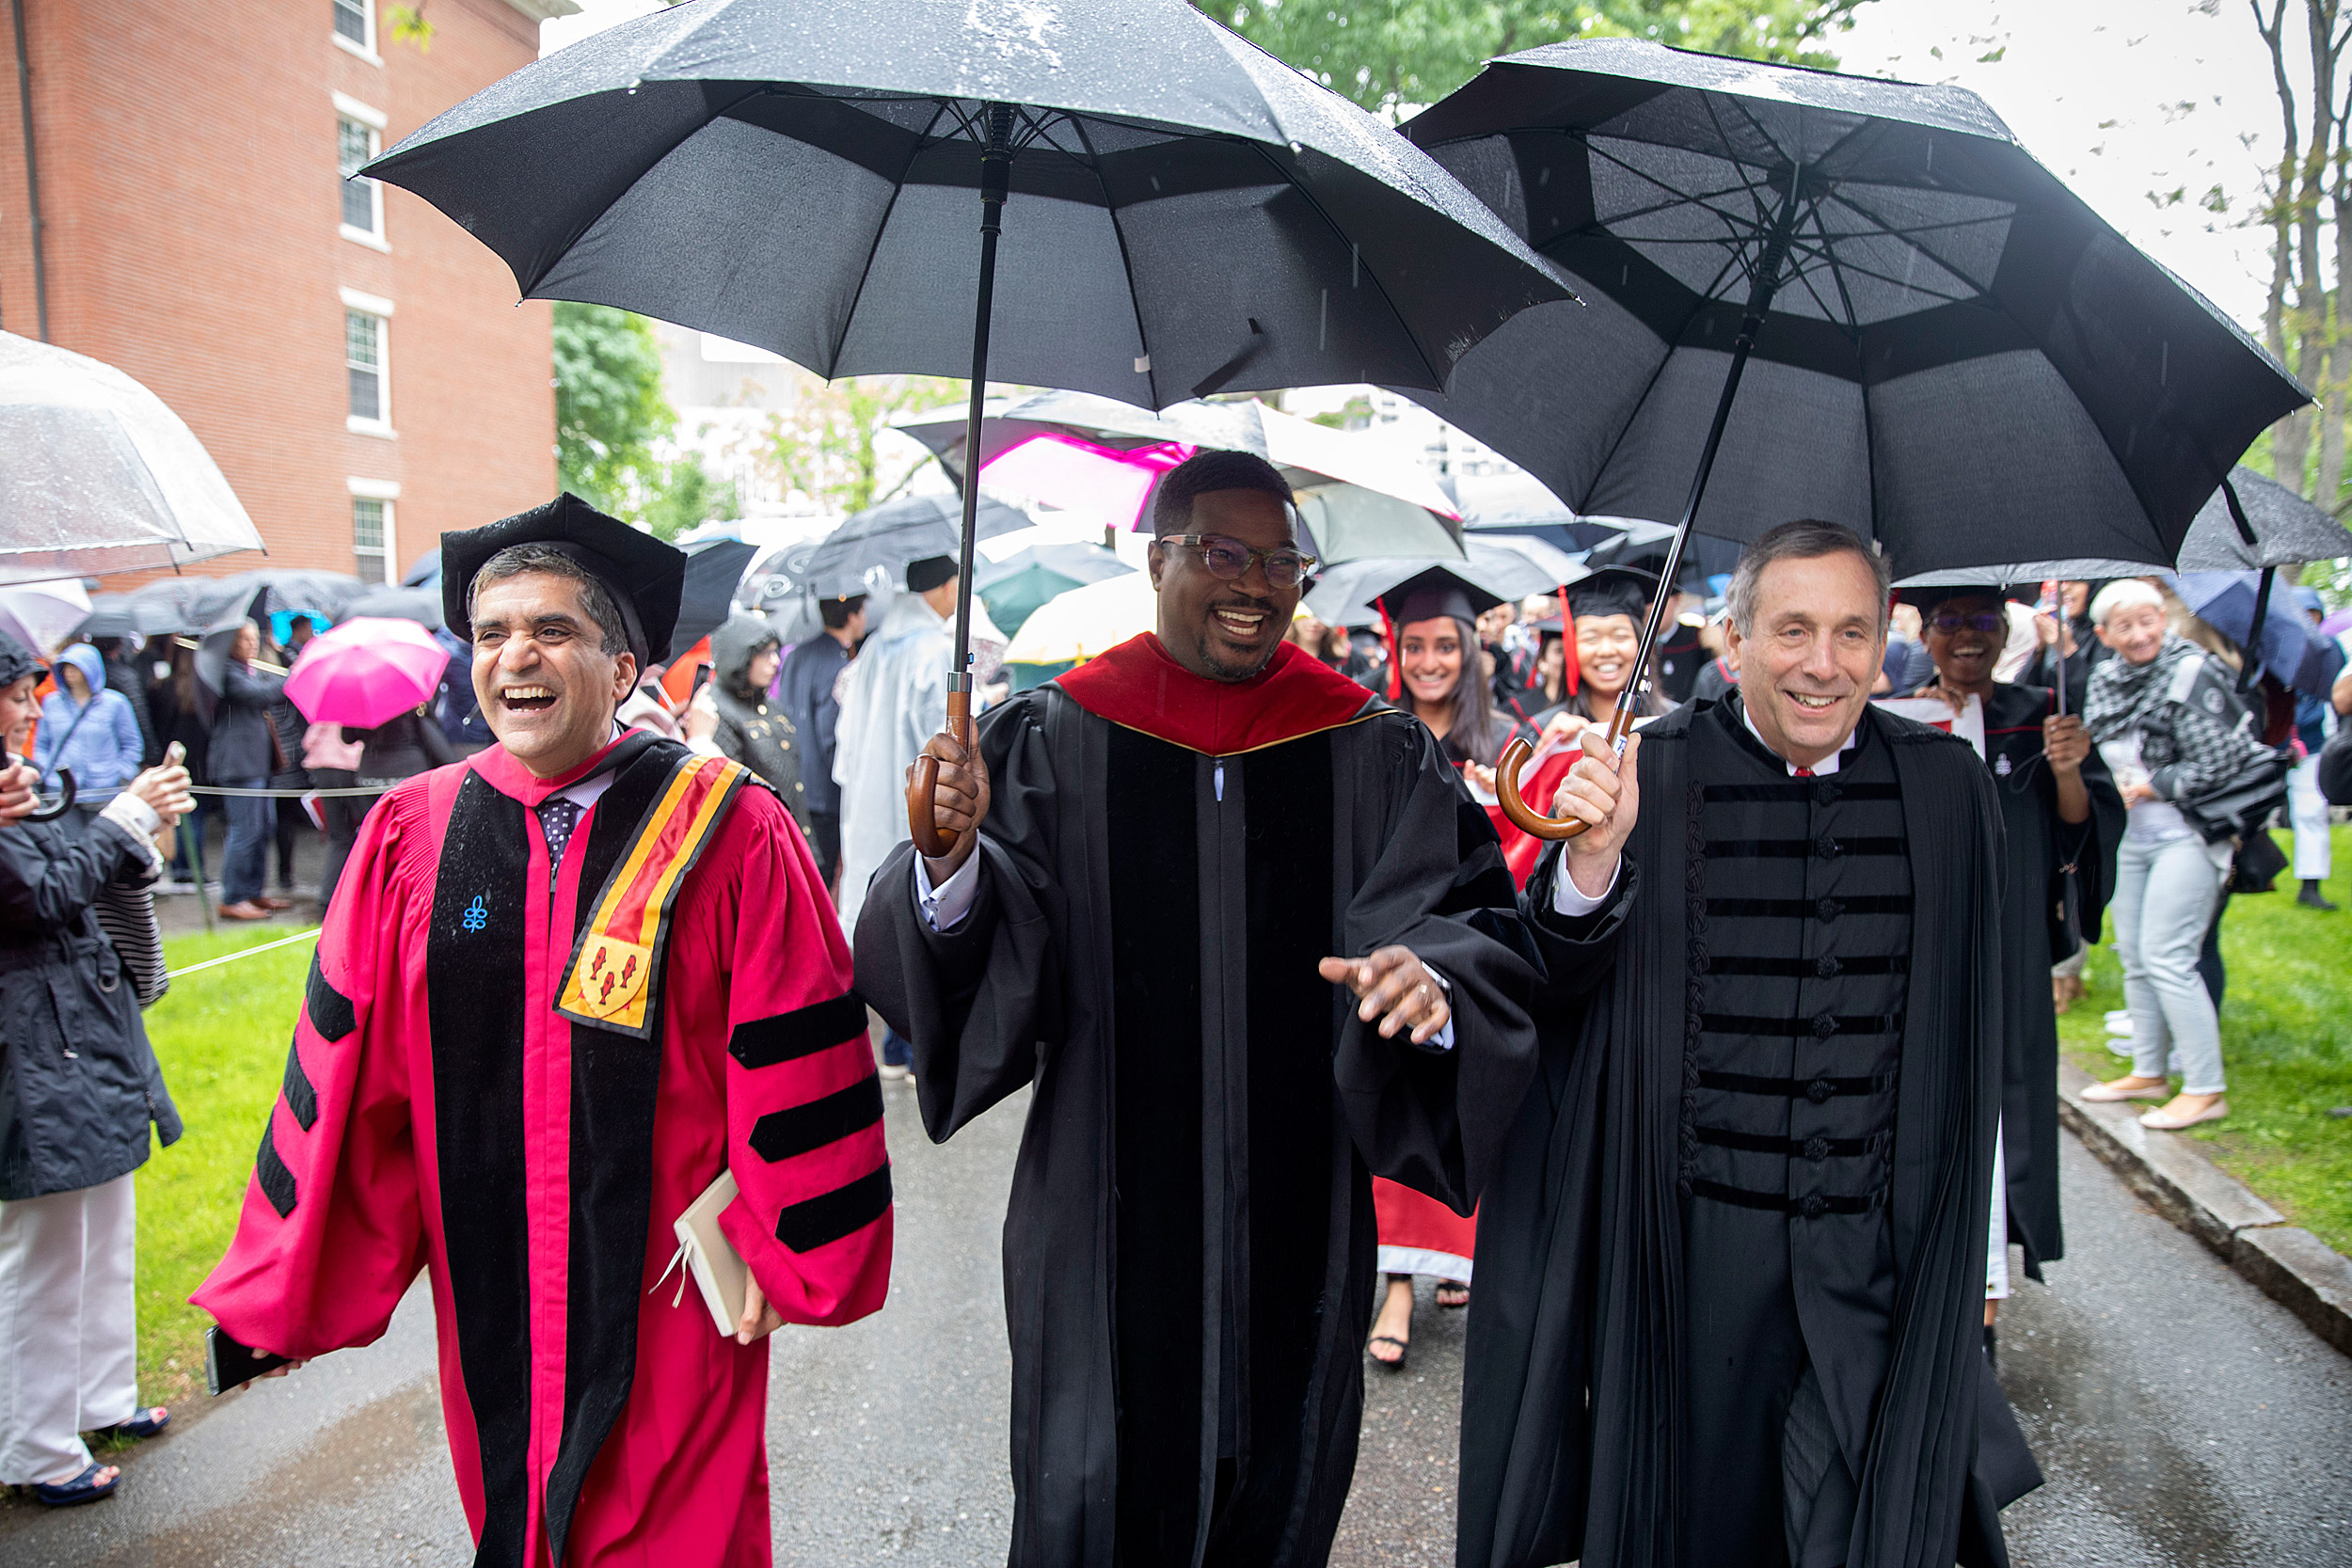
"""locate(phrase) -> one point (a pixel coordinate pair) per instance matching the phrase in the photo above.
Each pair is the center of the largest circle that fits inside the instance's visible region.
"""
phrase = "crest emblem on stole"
(609, 976)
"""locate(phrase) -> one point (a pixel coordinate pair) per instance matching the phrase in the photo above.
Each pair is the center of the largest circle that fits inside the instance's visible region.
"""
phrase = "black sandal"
(1403, 1348)
(1460, 1291)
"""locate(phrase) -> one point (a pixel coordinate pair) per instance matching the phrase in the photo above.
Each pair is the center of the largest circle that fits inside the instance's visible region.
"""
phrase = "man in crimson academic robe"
(1189, 852)
(564, 987)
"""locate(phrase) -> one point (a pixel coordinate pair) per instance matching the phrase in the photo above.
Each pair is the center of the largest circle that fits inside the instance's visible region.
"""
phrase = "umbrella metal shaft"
(1767, 283)
(1760, 305)
(995, 184)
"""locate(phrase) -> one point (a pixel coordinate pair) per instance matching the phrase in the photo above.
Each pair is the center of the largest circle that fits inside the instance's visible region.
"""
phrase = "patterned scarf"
(2124, 696)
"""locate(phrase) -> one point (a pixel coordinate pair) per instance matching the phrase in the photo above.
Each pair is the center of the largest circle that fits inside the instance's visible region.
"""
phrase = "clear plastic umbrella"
(100, 476)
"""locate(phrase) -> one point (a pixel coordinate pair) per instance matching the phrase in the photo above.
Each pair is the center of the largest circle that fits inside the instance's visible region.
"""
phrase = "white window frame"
(387, 491)
(377, 120)
(373, 304)
(365, 51)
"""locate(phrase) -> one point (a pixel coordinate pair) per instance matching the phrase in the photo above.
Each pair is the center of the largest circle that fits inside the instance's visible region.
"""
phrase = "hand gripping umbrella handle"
(931, 841)
(65, 800)
(1524, 816)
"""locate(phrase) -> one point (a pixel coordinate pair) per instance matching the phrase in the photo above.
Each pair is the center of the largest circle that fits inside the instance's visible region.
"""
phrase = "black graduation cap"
(645, 576)
(1924, 596)
(1435, 592)
(1613, 590)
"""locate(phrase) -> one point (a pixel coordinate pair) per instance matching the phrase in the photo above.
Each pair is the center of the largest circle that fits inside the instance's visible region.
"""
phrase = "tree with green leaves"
(609, 407)
(688, 496)
(824, 446)
(1390, 54)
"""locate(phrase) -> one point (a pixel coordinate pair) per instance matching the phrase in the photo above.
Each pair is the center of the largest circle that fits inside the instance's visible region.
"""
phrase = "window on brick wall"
(363, 199)
(370, 534)
(355, 23)
(363, 355)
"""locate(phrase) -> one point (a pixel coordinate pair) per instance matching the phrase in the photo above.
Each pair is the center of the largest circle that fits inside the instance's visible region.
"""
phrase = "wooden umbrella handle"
(931, 841)
(1524, 816)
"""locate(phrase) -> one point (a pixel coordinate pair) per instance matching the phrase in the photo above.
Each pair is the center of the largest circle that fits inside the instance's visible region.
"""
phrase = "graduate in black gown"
(1192, 849)
(1731, 1267)
(2063, 820)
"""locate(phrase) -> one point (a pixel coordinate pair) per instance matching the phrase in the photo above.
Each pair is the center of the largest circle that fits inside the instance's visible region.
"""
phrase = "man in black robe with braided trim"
(1731, 1266)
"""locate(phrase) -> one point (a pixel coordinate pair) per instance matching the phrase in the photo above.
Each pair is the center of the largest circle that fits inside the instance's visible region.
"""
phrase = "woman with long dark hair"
(1440, 680)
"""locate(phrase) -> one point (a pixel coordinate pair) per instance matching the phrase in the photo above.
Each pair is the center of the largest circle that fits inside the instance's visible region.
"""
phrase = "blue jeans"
(245, 859)
(2164, 898)
(897, 1051)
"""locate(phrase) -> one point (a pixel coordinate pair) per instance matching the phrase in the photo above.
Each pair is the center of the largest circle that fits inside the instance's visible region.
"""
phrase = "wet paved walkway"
(2182, 1418)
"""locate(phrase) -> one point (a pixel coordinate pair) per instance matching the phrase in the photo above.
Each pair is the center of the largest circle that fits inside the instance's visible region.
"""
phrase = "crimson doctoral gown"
(441, 1113)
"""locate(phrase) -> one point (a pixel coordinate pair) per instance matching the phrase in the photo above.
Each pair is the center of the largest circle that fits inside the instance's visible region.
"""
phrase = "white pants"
(69, 1327)
(2307, 811)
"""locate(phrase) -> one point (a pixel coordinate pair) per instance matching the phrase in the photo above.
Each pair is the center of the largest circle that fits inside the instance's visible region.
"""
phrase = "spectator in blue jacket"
(88, 728)
(808, 689)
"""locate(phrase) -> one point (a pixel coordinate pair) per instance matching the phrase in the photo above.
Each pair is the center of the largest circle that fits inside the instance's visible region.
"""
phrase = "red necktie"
(1805, 772)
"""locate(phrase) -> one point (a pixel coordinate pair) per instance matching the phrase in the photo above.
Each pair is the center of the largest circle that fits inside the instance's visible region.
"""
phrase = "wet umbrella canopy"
(1956, 356)
(100, 475)
(1952, 354)
(1180, 212)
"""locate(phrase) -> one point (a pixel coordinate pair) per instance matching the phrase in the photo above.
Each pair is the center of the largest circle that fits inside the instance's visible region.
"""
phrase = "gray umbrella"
(1180, 212)
(873, 549)
(399, 604)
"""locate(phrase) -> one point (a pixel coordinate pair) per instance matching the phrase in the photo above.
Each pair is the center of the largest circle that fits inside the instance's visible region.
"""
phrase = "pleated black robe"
(1190, 1248)
(1574, 1398)
(2060, 877)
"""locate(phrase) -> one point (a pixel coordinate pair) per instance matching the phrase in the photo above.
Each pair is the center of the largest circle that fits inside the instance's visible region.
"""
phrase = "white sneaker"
(2118, 1015)
(2120, 1026)
(2121, 1045)
(892, 1072)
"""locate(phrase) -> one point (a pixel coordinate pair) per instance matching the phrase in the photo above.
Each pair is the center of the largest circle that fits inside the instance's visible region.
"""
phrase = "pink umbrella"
(365, 671)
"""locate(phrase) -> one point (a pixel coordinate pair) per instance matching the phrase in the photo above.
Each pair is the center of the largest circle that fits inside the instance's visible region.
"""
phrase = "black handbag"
(2243, 807)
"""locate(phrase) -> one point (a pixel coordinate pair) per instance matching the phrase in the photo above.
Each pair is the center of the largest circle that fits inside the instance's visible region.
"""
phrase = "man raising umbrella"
(1731, 1266)
(1173, 841)
(562, 986)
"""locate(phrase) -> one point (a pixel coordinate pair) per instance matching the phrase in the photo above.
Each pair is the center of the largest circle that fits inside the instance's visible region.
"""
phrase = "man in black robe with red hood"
(1189, 851)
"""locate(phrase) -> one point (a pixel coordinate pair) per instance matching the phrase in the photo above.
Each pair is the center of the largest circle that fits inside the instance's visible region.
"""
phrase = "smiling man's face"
(1219, 627)
(1807, 663)
(545, 684)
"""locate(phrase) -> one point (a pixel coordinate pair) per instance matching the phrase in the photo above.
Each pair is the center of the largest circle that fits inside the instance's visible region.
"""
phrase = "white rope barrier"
(244, 953)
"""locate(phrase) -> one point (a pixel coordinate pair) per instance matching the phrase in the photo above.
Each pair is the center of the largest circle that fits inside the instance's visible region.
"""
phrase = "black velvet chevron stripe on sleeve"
(277, 1182)
(301, 1099)
(331, 1012)
(801, 1032)
(782, 1134)
(830, 1217)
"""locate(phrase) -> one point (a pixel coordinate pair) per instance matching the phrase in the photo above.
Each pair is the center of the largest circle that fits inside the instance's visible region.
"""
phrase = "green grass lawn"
(2286, 1044)
(221, 1035)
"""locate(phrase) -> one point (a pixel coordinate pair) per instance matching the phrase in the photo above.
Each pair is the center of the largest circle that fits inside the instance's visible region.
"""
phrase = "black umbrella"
(1188, 214)
(1953, 354)
(714, 569)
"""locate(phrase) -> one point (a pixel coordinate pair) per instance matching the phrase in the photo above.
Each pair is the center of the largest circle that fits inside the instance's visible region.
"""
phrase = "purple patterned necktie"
(558, 816)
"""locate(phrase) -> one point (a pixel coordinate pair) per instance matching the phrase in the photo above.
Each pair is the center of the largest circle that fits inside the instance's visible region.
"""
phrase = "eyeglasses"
(1950, 620)
(1230, 558)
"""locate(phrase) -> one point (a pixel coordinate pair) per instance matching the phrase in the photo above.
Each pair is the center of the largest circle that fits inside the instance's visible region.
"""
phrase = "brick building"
(355, 361)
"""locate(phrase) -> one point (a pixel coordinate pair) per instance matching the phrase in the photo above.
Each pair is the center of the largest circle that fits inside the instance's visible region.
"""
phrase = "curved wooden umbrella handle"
(931, 841)
(1523, 816)
(65, 800)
